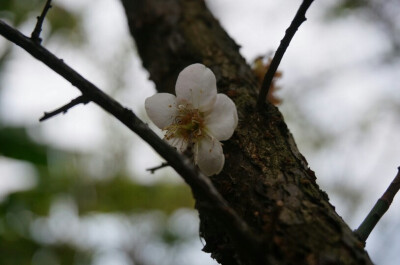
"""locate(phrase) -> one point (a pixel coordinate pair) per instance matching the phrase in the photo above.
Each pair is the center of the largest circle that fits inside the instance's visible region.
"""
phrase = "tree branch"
(154, 169)
(65, 108)
(35, 36)
(379, 209)
(265, 178)
(201, 185)
(296, 22)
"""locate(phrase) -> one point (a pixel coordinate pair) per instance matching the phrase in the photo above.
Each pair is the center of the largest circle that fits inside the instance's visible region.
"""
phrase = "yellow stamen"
(188, 124)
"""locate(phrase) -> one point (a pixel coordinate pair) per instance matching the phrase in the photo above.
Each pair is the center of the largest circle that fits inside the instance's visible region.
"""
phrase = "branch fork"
(79, 100)
(35, 36)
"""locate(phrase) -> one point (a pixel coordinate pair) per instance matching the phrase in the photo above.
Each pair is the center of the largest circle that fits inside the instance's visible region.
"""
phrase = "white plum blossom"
(197, 117)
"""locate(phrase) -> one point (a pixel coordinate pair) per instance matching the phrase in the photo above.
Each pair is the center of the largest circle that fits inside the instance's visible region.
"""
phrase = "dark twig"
(296, 22)
(201, 186)
(65, 108)
(379, 209)
(154, 169)
(35, 36)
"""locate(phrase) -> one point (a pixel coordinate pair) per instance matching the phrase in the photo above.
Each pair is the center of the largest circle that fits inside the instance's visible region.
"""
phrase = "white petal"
(178, 143)
(161, 109)
(209, 156)
(221, 122)
(197, 85)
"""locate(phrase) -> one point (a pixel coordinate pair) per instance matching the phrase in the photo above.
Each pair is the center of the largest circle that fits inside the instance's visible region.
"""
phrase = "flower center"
(188, 124)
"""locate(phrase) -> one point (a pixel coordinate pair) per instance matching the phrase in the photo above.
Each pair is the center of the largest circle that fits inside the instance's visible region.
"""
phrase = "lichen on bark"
(265, 179)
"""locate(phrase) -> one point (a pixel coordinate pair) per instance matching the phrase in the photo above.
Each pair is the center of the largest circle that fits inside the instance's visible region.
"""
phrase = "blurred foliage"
(344, 6)
(114, 195)
(121, 194)
(62, 176)
(25, 251)
(59, 174)
(382, 13)
(18, 11)
(58, 20)
(61, 19)
(15, 143)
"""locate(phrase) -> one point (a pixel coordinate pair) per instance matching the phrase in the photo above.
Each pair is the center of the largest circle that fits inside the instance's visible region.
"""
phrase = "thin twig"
(379, 209)
(296, 22)
(35, 36)
(79, 100)
(154, 169)
(201, 186)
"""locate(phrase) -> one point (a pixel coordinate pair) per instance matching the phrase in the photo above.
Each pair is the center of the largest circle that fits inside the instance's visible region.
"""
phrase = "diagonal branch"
(201, 185)
(296, 22)
(379, 209)
(65, 108)
(35, 36)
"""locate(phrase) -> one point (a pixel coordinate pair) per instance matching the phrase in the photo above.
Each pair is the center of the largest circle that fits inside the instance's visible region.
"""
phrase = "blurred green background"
(61, 214)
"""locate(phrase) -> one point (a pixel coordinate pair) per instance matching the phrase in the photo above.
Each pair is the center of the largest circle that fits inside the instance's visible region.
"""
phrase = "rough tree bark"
(265, 178)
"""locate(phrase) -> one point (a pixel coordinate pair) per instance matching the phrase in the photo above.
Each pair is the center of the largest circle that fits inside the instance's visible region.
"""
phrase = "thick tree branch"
(265, 178)
(201, 185)
(35, 36)
(65, 108)
(379, 209)
(269, 76)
